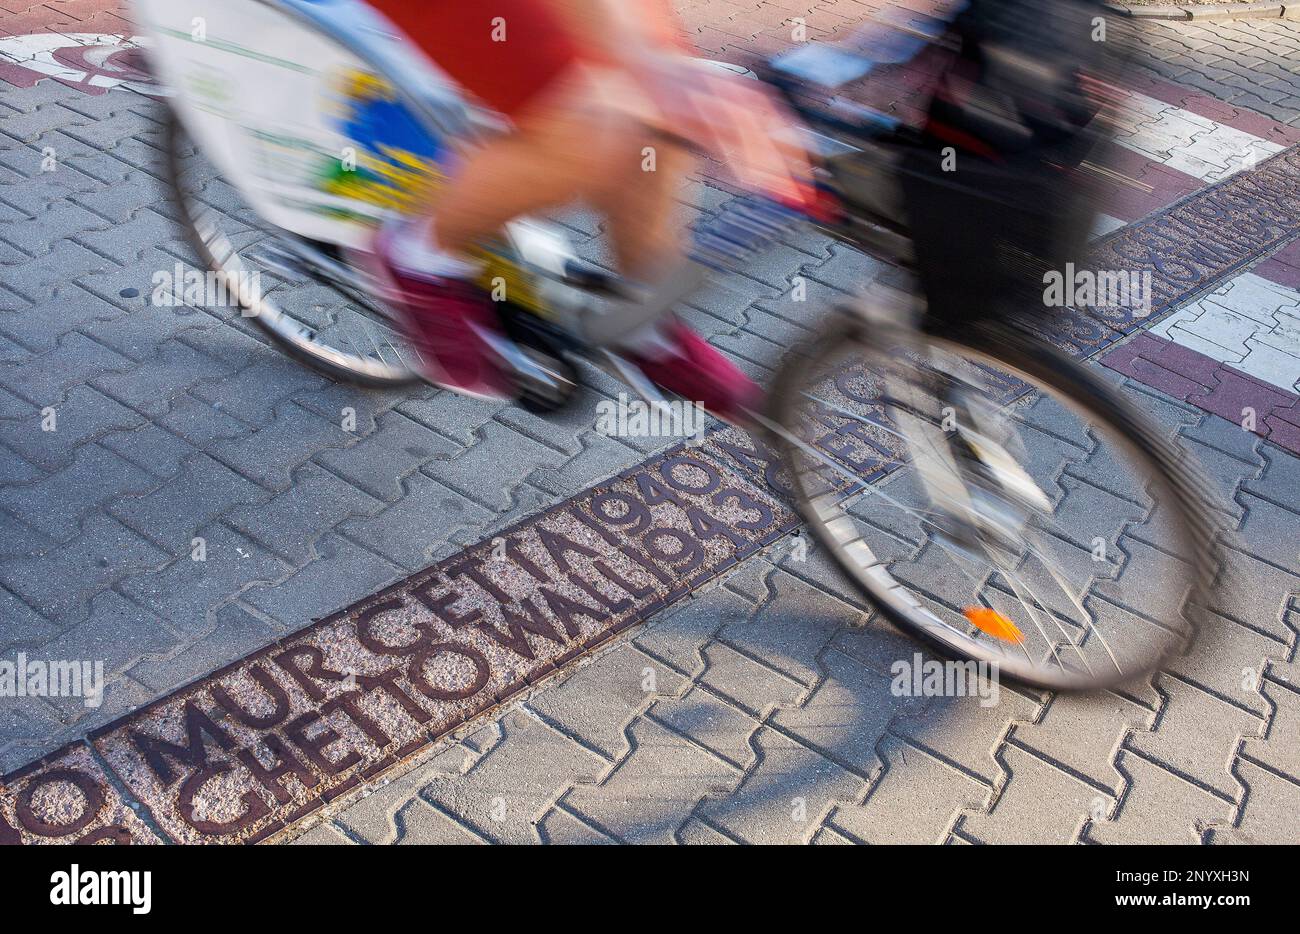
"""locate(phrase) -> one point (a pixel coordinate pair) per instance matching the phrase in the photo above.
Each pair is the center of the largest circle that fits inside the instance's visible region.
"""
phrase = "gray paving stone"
(27, 729)
(40, 327)
(343, 574)
(105, 551)
(200, 423)
(1268, 531)
(788, 633)
(270, 455)
(421, 527)
(916, 798)
(150, 387)
(172, 514)
(291, 521)
(663, 768)
(77, 359)
(147, 446)
(559, 826)
(18, 539)
(11, 352)
(562, 430)
(727, 300)
(1268, 816)
(116, 632)
(1157, 807)
(511, 787)
(1229, 660)
(786, 796)
(1280, 749)
(203, 578)
(378, 462)
(36, 236)
(760, 353)
(488, 474)
(968, 735)
(23, 626)
(678, 636)
(56, 504)
(16, 470)
(233, 631)
(1084, 732)
(595, 704)
(839, 722)
(257, 391)
(1038, 802)
(601, 457)
(455, 416)
(703, 717)
(1255, 593)
(333, 400)
(124, 242)
(1197, 736)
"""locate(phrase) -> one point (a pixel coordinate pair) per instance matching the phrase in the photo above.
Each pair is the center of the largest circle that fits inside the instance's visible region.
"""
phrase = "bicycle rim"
(329, 322)
(1067, 603)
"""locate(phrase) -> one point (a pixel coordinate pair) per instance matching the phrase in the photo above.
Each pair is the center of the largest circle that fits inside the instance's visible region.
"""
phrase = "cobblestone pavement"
(1251, 64)
(757, 710)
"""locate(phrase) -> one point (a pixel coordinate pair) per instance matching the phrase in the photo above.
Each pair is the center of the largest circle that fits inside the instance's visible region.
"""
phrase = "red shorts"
(464, 38)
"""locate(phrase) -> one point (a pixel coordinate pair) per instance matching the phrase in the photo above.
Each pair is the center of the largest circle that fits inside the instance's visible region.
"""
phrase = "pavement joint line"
(1270, 769)
(1014, 741)
(1191, 779)
(691, 741)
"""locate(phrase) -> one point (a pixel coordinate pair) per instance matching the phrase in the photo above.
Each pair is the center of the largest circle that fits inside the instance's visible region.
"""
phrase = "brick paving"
(1250, 64)
(757, 710)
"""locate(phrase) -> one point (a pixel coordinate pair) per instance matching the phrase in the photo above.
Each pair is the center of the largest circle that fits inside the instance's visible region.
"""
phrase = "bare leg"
(572, 147)
(641, 206)
(561, 150)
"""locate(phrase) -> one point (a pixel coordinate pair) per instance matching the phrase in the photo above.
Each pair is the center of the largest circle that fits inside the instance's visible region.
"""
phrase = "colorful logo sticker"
(396, 163)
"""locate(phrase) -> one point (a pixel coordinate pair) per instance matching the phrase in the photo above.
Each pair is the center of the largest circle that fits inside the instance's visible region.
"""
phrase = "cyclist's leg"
(640, 203)
(570, 143)
(566, 147)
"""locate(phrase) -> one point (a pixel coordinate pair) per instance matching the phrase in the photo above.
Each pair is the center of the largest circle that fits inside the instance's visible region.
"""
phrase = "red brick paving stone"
(1235, 391)
(267, 740)
(1184, 361)
(1142, 358)
(1283, 267)
(1283, 433)
(66, 798)
(1210, 385)
(1152, 186)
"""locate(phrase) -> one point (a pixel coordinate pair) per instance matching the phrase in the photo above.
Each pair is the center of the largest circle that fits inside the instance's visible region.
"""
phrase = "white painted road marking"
(1189, 143)
(1249, 323)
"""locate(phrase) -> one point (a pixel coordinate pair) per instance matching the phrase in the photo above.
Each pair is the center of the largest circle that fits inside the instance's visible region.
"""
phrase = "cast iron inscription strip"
(270, 738)
(1189, 248)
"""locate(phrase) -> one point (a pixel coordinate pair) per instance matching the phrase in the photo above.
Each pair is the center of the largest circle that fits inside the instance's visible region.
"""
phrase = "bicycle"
(871, 405)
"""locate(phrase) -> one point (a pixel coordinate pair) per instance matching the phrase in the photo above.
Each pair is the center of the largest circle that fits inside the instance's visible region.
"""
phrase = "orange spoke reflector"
(994, 623)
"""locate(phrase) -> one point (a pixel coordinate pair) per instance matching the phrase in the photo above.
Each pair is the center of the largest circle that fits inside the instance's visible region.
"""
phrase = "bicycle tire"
(1167, 464)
